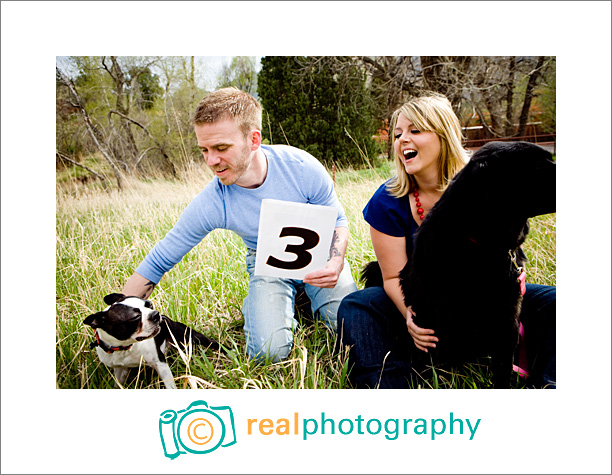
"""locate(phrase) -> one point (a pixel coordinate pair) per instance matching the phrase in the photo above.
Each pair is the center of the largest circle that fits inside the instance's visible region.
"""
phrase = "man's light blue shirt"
(293, 175)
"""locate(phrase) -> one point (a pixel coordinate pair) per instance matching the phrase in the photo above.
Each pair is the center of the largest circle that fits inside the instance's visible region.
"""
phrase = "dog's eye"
(148, 304)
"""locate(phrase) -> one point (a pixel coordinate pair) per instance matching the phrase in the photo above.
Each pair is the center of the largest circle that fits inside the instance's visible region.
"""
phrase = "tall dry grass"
(102, 237)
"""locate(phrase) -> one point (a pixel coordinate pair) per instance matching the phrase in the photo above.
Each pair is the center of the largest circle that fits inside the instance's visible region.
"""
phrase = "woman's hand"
(423, 338)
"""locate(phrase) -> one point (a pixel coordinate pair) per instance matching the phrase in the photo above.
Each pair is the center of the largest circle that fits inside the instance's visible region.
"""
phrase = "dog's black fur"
(460, 279)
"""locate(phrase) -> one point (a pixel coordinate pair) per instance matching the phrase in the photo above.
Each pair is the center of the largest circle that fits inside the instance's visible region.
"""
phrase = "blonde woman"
(375, 322)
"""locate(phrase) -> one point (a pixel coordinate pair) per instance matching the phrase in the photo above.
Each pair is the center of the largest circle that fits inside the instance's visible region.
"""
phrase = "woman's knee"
(362, 312)
(351, 313)
(364, 304)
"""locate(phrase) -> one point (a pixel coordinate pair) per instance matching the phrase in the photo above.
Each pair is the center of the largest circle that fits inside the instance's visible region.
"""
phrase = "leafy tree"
(240, 73)
(148, 87)
(108, 96)
(310, 106)
(500, 91)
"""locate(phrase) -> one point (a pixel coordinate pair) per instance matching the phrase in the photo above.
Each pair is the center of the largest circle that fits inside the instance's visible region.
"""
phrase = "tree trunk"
(510, 100)
(122, 104)
(533, 78)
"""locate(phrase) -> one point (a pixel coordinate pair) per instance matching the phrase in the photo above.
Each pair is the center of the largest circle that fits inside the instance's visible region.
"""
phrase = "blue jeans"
(381, 348)
(269, 312)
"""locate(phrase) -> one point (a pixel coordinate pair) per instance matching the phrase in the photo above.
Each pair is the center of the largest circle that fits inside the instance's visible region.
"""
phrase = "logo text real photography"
(201, 429)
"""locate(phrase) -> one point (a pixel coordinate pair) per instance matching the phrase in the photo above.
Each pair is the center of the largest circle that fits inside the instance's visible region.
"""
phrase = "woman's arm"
(391, 254)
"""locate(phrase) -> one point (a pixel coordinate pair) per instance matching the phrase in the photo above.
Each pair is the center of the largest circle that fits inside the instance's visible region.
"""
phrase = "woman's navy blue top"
(390, 215)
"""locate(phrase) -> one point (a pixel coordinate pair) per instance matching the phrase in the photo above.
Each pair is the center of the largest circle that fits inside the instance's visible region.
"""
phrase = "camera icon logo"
(199, 429)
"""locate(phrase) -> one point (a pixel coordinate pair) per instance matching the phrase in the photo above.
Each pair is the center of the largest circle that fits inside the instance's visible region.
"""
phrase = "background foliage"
(307, 106)
(120, 117)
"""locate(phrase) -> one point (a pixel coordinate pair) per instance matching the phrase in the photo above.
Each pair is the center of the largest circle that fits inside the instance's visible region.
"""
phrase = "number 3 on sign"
(294, 238)
(311, 239)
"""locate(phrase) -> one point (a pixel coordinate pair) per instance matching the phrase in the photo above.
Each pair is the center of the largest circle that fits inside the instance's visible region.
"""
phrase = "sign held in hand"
(294, 238)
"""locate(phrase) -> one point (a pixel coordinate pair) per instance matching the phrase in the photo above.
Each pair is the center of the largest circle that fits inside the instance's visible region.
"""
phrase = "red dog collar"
(105, 347)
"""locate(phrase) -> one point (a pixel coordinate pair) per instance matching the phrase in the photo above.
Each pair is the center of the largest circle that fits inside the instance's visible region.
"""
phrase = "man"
(228, 129)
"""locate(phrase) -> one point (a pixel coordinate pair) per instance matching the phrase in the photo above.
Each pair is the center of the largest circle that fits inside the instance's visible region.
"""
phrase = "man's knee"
(274, 349)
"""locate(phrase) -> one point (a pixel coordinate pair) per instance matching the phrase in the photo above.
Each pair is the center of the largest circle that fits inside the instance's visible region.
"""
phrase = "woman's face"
(419, 151)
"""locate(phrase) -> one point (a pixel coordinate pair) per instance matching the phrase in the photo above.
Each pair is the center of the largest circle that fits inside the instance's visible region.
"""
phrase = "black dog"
(130, 332)
(463, 279)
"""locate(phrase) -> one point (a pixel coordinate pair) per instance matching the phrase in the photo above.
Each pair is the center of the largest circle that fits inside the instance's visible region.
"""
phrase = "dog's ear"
(112, 298)
(95, 320)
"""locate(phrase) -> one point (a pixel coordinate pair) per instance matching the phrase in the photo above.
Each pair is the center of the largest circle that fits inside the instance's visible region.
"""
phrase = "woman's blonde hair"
(232, 103)
(431, 113)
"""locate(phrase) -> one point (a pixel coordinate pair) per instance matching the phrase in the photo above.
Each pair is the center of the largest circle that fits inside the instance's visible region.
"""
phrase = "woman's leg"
(538, 316)
(380, 345)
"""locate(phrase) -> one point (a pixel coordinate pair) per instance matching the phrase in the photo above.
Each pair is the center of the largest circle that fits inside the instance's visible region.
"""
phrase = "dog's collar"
(105, 347)
(521, 272)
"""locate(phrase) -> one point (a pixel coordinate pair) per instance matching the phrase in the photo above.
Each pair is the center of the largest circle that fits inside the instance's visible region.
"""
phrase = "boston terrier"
(130, 332)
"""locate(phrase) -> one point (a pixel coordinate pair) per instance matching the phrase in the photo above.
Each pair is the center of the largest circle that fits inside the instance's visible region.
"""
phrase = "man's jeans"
(381, 347)
(269, 312)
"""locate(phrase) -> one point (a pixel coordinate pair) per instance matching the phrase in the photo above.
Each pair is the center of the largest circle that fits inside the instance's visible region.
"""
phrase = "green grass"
(102, 236)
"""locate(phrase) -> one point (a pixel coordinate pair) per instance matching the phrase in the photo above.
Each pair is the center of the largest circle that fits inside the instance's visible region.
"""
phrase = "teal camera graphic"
(199, 429)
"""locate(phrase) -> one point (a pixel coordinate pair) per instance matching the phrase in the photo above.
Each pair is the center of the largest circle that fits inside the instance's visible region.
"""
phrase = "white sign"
(294, 238)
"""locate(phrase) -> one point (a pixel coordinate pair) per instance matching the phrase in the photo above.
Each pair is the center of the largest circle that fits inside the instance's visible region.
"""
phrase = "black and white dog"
(130, 332)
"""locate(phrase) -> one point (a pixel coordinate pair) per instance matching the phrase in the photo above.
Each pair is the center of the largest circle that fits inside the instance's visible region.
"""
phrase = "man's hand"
(328, 276)
(423, 338)
(138, 286)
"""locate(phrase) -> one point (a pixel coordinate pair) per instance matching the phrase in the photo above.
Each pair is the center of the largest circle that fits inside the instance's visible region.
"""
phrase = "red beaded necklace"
(420, 211)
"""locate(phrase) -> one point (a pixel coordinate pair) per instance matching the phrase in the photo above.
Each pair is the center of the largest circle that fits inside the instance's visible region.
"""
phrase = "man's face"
(226, 151)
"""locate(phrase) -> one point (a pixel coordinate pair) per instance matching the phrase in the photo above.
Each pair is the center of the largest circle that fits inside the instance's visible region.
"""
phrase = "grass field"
(102, 236)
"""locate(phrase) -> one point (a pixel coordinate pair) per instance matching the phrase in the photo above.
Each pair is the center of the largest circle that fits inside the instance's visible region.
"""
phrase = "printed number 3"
(311, 239)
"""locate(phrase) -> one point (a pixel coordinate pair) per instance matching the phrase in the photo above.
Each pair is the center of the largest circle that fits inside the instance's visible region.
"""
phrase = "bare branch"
(68, 159)
(159, 146)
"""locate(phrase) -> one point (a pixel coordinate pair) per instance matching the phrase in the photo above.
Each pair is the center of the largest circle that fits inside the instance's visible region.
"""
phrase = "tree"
(111, 95)
(499, 90)
(325, 112)
(546, 98)
(240, 73)
(148, 89)
(94, 131)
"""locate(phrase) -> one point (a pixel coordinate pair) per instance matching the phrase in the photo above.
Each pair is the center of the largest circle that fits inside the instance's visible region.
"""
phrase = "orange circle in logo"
(205, 425)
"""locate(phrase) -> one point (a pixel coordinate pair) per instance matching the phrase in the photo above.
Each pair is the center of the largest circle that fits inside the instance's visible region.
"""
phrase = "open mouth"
(409, 154)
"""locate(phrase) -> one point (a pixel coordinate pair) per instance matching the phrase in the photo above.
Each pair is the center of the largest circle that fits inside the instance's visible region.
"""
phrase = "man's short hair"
(231, 103)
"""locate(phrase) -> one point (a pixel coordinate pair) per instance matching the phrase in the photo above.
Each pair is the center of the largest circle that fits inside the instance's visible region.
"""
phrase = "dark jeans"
(381, 348)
